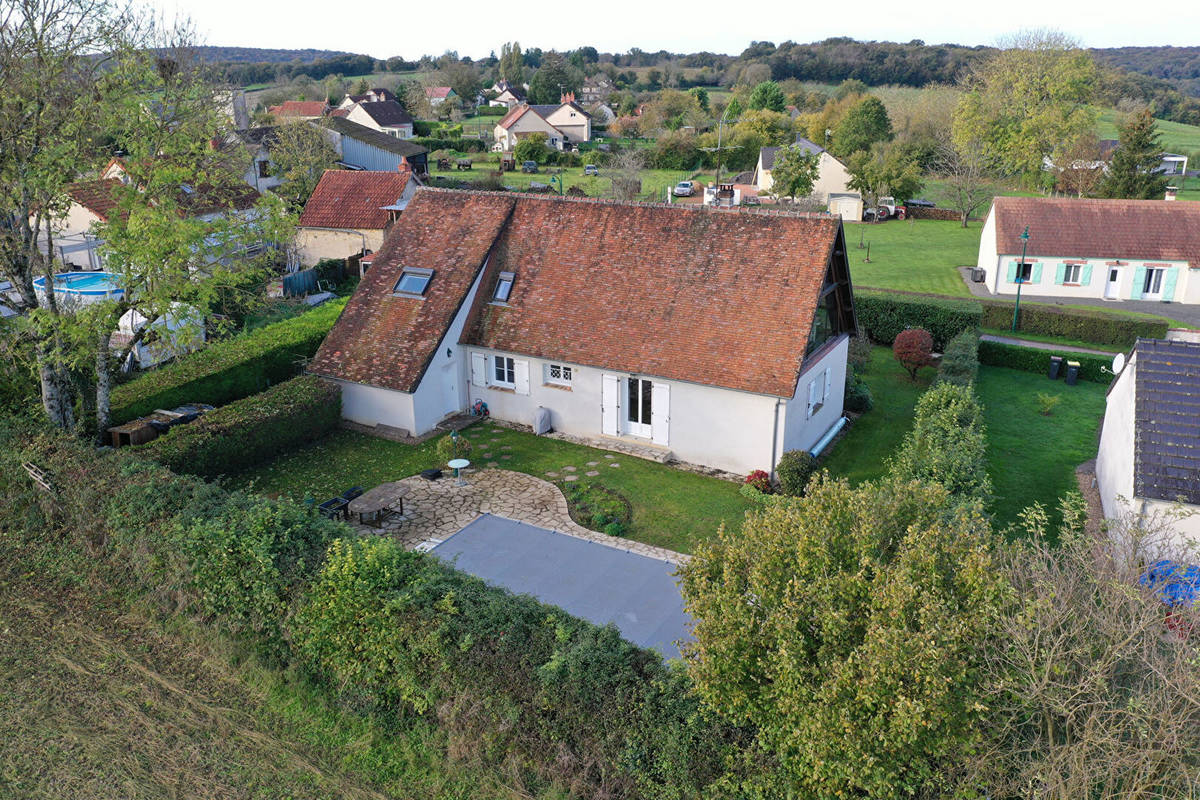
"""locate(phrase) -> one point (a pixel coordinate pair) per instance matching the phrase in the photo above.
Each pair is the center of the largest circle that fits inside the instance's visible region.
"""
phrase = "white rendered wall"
(371, 405)
(313, 245)
(801, 432)
(1114, 462)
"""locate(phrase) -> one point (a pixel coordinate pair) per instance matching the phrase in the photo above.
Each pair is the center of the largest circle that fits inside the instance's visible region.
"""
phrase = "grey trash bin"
(1072, 372)
(1055, 367)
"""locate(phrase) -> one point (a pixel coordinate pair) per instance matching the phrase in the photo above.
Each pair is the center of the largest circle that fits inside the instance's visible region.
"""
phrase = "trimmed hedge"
(1080, 325)
(1032, 359)
(460, 145)
(960, 362)
(947, 443)
(228, 370)
(251, 430)
(884, 315)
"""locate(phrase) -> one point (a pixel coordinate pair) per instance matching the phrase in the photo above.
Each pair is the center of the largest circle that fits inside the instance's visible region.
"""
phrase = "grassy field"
(1031, 458)
(671, 508)
(1176, 137)
(655, 182)
(98, 702)
(913, 255)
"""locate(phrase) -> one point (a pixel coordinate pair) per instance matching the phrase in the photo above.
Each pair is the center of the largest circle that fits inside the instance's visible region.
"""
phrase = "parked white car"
(684, 189)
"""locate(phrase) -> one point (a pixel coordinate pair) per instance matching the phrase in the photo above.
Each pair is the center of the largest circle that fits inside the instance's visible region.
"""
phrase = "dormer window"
(503, 287)
(413, 282)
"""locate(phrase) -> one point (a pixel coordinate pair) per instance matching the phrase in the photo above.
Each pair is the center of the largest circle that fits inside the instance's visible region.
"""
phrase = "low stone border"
(436, 510)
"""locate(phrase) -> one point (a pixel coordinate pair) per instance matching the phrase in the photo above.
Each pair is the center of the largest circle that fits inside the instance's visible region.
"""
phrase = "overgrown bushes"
(228, 370)
(251, 430)
(884, 315)
(947, 444)
(1080, 325)
(555, 699)
(1031, 359)
(960, 362)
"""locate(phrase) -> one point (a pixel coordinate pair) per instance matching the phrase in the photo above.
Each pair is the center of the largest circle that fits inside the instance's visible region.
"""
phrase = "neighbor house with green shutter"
(1109, 249)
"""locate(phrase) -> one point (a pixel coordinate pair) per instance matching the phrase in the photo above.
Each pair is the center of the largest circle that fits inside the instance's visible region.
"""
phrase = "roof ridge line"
(609, 201)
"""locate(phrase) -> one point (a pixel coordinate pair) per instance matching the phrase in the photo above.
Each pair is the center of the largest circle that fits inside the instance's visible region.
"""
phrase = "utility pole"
(720, 131)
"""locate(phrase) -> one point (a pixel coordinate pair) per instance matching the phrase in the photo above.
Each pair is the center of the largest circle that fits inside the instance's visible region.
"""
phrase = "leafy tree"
(733, 109)
(883, 170)
(701, 95)
(532, 147)
(847, 629)
(964, 176)
(795, 172)
(362, 87)
(1131, 174)
(913, 348)
(1026, 99)
(767, 95)
(512, 64)
(849, 88)
(865, 123)
(1079, 166)
(300, 155)
(554, 77)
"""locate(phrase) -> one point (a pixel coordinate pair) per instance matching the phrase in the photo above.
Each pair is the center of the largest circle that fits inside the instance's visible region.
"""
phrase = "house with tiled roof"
(370, 96)
(712, 337)
(436, 95)
(507, 95)
(832, 183)
(564, 124)
(385, 116)
(1149, 456)
(350, 212)
(96, 200)
(1082, 248)
(300, 109)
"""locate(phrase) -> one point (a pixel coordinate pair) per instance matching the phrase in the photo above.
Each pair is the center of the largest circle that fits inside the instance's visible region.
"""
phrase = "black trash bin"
(1055, 367)
(1072, 372)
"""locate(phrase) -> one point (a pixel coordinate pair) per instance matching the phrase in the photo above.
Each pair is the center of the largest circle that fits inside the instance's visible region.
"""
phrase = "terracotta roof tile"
(438, 91)
(353, 199)
(723, 298)
(1154, 230)
(386, 340)
(300, 108)
(97, 196)
(512, 116)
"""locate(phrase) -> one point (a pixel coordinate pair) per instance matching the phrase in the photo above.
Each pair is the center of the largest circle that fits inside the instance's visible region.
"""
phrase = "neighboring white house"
(350, 212)
(564, 124)
(375, 95)
(832, 179)
(386, 116)
(1110, 249)
(1149, 457)
(507, 95)
(257, 143)
(714, 337)
(436, 95)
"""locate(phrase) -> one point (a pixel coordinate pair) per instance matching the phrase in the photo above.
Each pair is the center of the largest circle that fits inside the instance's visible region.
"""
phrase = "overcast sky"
(476, 27)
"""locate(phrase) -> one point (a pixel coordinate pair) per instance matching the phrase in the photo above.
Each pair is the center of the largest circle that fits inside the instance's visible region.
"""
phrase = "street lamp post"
(1020, 276)
(557, 179)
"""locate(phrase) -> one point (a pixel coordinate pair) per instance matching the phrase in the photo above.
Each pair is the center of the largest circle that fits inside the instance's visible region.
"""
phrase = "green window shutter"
(1060, 272)
(1139, 280)
(1168, 286)
(1085, 275)
(1035, 275)
(1012, 272)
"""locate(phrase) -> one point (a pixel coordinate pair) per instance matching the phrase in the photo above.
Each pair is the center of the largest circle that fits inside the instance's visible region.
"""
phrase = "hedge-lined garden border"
(1032, 359)
(1096, 327)
(251, 430)
(228, 370)
(883, 315)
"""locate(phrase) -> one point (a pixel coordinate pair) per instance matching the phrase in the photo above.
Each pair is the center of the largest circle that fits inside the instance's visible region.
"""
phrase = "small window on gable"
(413, 281)
(503, 287)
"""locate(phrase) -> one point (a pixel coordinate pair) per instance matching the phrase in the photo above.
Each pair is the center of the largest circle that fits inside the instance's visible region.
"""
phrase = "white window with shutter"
(504, 372)
(521, 381)
(817, 392)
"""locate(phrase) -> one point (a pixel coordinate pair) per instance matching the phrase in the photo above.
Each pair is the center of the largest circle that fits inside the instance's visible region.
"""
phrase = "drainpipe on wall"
(775, 438)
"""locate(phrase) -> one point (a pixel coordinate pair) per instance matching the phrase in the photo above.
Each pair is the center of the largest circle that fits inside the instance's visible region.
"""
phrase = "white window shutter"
(521, 369)
(478, 369)
(660, 413)
(812, 396)
(610, 393)
(828, 381)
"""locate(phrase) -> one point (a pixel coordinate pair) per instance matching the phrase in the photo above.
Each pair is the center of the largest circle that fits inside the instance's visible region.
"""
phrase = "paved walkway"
(987, 337)
(436, 510)
(1186, 315)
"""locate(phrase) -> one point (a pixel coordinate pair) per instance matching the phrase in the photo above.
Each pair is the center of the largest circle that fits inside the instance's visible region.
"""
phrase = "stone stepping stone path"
(572, 478)
(614, 464)
(551, 474)
(591, 473)
(568, 469)
(506, 447)
(593, 463)
(493, 463)
(506, 457)
(609, 455)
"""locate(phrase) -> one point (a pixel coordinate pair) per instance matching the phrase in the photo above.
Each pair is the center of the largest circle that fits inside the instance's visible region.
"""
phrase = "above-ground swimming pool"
(82, 287)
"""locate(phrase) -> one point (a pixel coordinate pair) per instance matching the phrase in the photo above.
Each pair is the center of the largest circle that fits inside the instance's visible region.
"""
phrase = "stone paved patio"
(434, 510)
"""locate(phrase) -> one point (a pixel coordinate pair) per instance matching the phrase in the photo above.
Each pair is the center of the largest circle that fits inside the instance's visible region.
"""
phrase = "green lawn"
(920, 255)
(1031, 458)
(862, 452)
(1176, 137)
(671, 508)
(655, 182)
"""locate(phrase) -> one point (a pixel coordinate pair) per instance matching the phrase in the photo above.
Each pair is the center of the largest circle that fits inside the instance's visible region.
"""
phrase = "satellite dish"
(1118, 363)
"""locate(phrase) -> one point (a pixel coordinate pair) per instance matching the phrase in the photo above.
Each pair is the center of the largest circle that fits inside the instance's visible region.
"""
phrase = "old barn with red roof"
(714, 337)
(350, 212)
(1111, 249)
